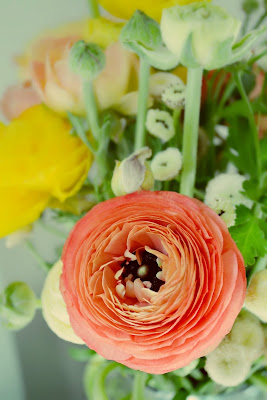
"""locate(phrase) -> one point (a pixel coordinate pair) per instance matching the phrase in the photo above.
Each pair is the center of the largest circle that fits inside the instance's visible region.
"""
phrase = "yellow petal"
(125, 9)
(39, 159)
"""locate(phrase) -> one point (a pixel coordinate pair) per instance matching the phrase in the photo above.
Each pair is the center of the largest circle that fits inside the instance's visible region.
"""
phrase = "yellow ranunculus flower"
(39, 160)
(153, 8)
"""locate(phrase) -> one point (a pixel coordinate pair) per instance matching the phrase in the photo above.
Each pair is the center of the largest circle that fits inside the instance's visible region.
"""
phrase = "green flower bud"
(228, 365)
(86, 60)
(167, 164)
(160, 124)
(249, 6)
(133, 173)
(203, 35)
(54, 308)
(142, 35)
(174, 95)
(248, 333)
(256, 298)
(17, 306)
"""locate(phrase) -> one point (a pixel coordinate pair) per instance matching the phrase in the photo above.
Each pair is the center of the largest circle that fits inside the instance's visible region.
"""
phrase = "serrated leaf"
(248, 235)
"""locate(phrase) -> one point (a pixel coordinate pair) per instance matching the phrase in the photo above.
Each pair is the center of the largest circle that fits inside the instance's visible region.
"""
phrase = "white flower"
(225, 209)
(167, 164)
(160, 81)
(227, 187)
(228, 365)
(248, 333)
(174, 95)
(160, 124)
(256, 298)
(54, 308)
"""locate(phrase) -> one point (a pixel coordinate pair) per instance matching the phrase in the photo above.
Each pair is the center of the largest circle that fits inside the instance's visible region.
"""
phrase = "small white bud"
(160, 81)
(167, 164)
(133, 173)
(256, 298)
(228, 365)
(174, 95)
(227, 187)
(160, 124)
(248, 333)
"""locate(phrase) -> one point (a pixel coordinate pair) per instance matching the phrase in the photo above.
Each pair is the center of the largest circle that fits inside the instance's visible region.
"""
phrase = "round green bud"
(86, 60)
(249, 6)
(133, 173)
(141, 31)
(167, 164)
(17, 305)
(199, 34)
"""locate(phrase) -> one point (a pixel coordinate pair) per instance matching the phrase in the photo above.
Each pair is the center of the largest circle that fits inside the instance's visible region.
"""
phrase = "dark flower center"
(147, 271)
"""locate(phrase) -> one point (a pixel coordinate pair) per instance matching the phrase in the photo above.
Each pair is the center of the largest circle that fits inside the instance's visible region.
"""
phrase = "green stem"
(140, 137)
(191, 126)
(45, 266)
(251, 119)
(260, 20)
(139, 386)
(245, 24)
(80, 131)
(99, 382)
(91, 109)
(93, 8)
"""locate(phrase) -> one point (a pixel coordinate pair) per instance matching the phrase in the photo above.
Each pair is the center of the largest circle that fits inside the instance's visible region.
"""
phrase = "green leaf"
(81, 354)
(248, 235)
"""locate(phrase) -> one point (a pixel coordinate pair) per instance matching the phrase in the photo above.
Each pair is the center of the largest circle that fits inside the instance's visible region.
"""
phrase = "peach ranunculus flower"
(46, 65)
(152, 280)
(153, 8)
(39, 161)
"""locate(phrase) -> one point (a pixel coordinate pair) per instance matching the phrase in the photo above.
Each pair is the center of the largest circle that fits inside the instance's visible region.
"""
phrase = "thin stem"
(80, 131)
(139, 386)
(52, 230)
(140, 137)
(245, 24)
(99, 382)
(91, 108)
(191, 126)
(251, 119)
(93, 8)
(29, 245)
(260, 20)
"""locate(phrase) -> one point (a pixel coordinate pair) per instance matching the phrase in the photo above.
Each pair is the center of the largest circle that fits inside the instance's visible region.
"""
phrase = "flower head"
(160, 124)
(54, 308)
(39, 159)
(256, 298)
(152, 280)
(167, 164)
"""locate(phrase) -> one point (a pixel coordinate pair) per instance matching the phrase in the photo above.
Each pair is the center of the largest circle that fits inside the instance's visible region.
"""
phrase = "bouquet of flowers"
(140, 139)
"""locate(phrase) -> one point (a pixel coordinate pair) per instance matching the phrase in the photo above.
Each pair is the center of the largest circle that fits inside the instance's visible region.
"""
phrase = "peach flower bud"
(185, 312)
(54, 309)
(256, 298)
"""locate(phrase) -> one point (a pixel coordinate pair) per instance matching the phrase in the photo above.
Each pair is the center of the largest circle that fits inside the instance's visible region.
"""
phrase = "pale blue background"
(35, 361)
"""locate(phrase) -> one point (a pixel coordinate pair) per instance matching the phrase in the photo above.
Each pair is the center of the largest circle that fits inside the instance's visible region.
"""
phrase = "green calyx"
(249, 6)
(86, 60)
(203, 35)
(17, 306)
(142, 35)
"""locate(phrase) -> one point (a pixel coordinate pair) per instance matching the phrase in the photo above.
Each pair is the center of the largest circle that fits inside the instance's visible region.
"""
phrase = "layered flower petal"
(39, 160)
(152, 280)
